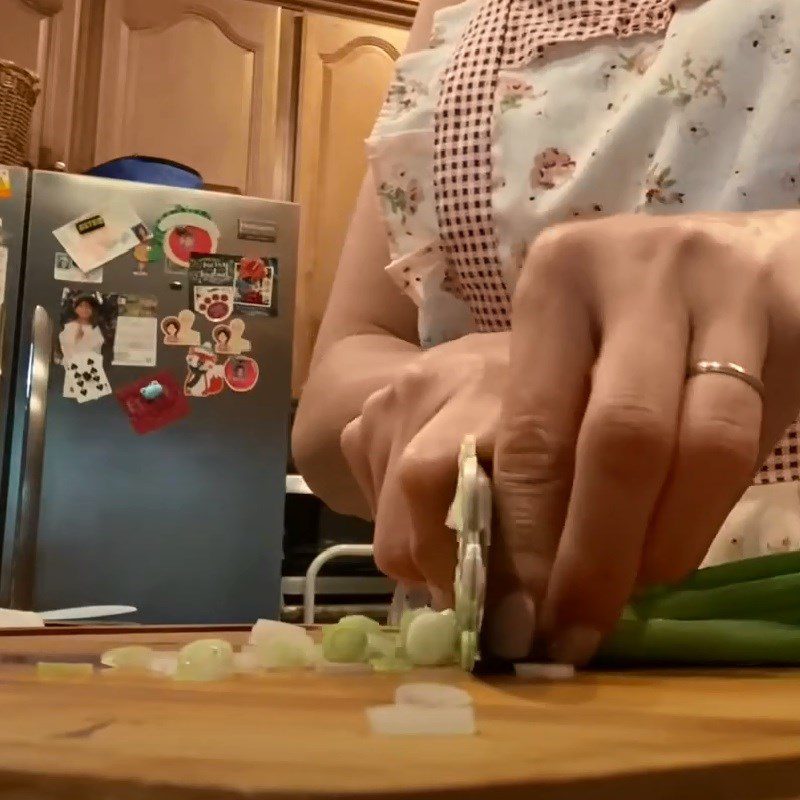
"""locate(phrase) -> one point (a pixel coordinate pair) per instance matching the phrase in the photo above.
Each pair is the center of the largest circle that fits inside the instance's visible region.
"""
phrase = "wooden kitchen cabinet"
(42, 35)
(193, 81)
(345, 70)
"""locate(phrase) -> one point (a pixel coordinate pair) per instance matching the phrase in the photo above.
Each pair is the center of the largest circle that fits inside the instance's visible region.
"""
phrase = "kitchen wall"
(266, 99)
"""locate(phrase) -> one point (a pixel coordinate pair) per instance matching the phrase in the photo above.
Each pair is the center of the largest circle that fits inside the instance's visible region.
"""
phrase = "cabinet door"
(345, 71)
(42, 35)
(193, 81)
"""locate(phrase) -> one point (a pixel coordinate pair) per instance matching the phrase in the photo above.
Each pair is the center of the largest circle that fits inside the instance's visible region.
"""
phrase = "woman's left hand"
(611, 469)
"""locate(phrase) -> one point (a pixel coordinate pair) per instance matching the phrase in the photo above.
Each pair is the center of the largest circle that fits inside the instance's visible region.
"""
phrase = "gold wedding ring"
(731, 370)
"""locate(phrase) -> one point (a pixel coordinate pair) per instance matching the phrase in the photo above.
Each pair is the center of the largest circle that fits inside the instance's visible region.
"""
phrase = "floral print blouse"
(700, 113)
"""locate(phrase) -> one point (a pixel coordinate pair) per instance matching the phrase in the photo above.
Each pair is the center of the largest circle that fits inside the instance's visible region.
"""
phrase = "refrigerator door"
(13, 208)
(185, 522)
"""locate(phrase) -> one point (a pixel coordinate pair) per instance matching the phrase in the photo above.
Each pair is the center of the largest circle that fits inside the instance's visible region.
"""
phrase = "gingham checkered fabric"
(784, 463)
(534, 25)
(462, 168)
(503, 33)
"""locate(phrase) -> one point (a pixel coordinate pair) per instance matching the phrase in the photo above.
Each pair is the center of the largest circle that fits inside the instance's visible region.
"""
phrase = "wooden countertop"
(637, 736)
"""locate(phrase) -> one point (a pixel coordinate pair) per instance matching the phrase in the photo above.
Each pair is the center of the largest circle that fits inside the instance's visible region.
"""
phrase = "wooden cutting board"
(637, 736)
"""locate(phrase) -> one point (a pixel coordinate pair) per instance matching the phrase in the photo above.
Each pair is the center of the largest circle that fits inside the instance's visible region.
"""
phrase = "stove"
(346, 585)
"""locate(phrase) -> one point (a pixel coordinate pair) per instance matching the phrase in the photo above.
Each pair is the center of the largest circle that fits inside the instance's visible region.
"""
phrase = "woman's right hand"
(403, 451)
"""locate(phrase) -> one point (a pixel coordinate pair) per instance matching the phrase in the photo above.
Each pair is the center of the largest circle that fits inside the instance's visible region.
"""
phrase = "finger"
(429, 472)
(378, 419)
(716, 450)
(622, 457)
(550, 362)
(414, 399)
(392, 540)
(354, 450)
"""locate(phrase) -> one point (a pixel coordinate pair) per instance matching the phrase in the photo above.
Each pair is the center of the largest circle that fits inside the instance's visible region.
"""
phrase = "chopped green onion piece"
(267, 630)
(391, 664)
(360, 623)
(52, 670)
(431, 639)
(285, 653)
(381, 645)
(135, 657)
(205, 660)
(408, 616)
(431, 695)
(396, 720)
(344, 645)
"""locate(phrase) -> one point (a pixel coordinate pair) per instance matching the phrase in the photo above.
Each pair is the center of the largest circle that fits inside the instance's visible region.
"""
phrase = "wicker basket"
(19, 89)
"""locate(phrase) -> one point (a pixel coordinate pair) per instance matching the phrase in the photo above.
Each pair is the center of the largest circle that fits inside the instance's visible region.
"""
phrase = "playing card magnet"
(85, 379)
(204, 377)
(147, 409)
(215, 303)
(241, 373)
(179, 330)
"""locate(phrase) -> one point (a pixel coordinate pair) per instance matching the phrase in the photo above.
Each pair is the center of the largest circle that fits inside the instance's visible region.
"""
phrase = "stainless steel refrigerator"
(184, 521)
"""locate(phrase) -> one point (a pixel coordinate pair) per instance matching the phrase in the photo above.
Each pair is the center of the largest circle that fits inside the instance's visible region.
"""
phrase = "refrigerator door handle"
(2, 335)
(23, 559)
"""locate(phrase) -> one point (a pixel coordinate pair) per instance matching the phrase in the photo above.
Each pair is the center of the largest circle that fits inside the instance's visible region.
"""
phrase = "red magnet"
(147, 415)
(241, 373)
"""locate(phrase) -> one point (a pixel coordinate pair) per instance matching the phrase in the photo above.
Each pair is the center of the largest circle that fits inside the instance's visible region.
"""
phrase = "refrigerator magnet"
(255, 285)
(215, 303)
(87, 324)
(204, 377)
(179, 330)
(182, 231)
(102, 235)
(65, 269)
(241, 373)
(228, 338)
(222, 337)
(142, 255)
(212, 270)
(5, 184)
(148, 409)
(135, 343)
(86, 379)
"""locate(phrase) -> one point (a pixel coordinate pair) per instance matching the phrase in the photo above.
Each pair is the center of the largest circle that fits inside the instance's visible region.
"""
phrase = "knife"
(471, 516)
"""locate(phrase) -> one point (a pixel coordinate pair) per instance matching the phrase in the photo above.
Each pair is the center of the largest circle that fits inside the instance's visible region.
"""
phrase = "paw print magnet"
(215, 303)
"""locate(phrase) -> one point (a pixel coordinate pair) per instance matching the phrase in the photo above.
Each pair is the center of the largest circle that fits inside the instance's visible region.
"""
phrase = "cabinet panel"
(42, 35)
(346, 68)
(194, 82)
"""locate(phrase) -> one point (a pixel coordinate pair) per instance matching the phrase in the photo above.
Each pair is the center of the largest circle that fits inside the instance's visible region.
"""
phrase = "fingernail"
(574, 646)
(511, 626)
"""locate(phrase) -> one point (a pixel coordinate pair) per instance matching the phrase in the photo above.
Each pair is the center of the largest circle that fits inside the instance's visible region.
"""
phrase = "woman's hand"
(403, 451)
(611, 469)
